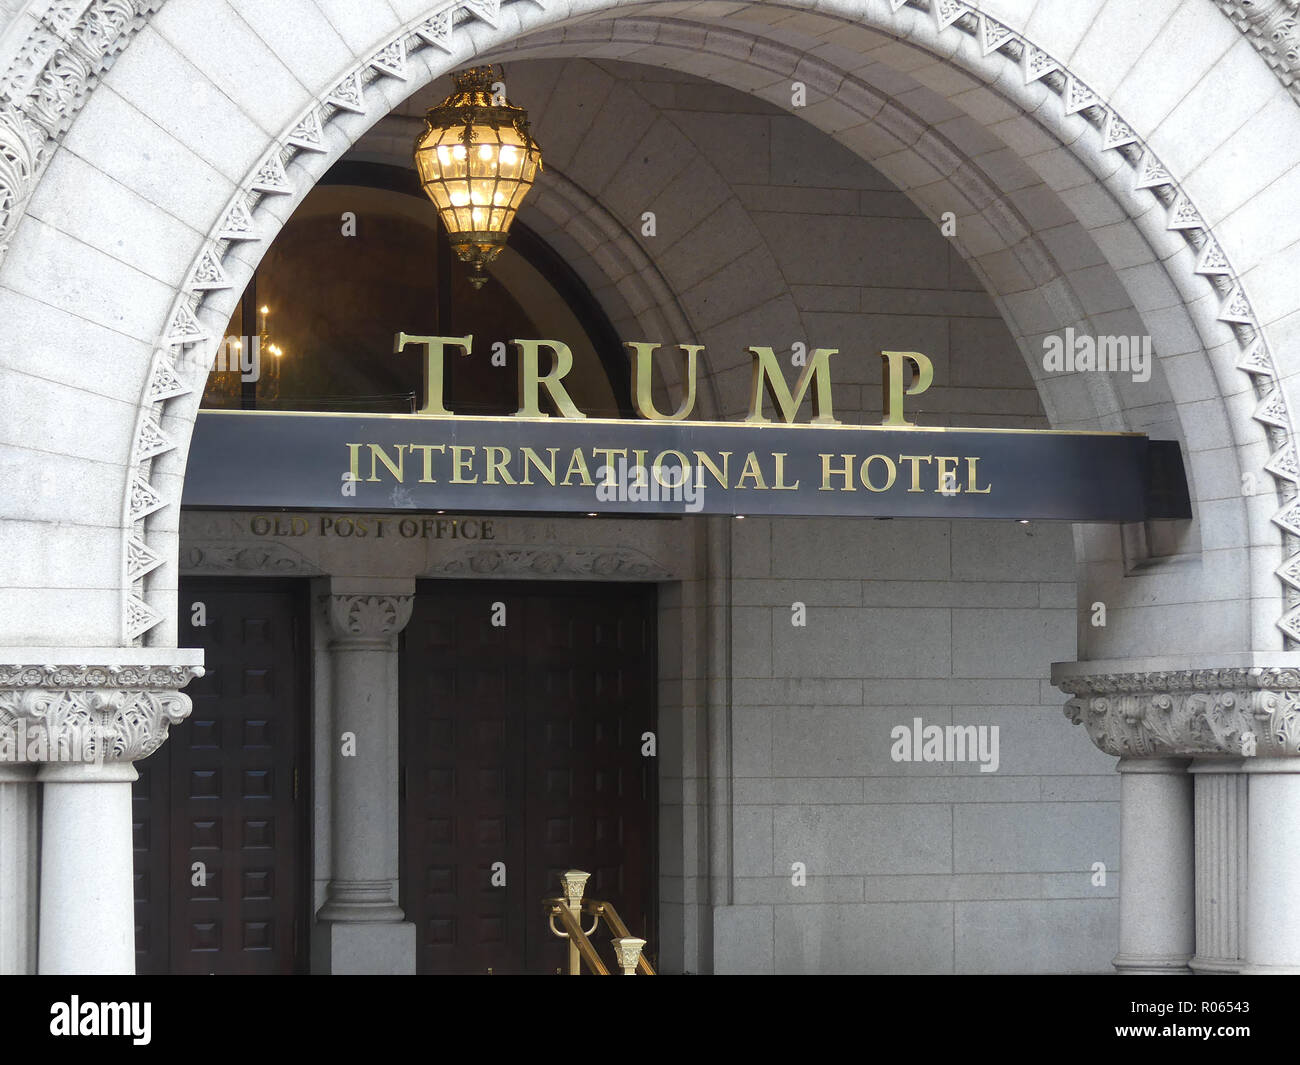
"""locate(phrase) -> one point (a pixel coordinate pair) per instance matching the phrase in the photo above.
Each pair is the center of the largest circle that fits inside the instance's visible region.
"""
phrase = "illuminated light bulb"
(458, 152)
(460, 198)
(485, 151)
(509, 155)
(266, 309)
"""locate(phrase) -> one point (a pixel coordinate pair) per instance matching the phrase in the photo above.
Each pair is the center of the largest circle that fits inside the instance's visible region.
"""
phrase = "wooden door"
(221, 855)
(521, 746)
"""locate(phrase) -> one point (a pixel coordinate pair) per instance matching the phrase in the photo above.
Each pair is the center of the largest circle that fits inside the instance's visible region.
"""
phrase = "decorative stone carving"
(1239, 712)
(532, 561)
(1273, 27)
(369, 618)
(230, 558)
(90, 713)
(47, 83)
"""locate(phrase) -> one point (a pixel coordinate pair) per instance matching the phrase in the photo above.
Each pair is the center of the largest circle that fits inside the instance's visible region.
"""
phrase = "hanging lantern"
(477, 162)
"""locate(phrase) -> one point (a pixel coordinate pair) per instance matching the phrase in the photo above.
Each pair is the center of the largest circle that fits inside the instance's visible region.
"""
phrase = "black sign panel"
(260, 460)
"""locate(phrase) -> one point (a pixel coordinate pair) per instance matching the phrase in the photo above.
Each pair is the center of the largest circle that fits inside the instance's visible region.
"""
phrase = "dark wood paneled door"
(523, 710)
(221, 855)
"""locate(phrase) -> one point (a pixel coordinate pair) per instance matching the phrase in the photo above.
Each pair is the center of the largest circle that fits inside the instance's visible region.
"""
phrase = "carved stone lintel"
(368, 618)
(203, 557)
(76, 713)
(1238, 712)
(609, 563)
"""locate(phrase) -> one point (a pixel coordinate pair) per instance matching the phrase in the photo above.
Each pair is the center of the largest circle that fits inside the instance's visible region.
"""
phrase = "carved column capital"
(92, 713)
(1242, 711)
(364, 619)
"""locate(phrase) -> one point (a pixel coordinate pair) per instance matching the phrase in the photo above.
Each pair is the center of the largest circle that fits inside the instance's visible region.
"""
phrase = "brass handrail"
(570, 908)
(576, 937)
(606, 911)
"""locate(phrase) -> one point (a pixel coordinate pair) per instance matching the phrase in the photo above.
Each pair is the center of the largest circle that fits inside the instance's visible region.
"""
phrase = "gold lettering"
(531, 379)
(531, 457)
(916, 461)
(767, 371)
(611, 476)
(865, 473)
(722, 476)
(946, 468)
(846, 473)
(428, 450)
(498, 465)
(893, 386)
(460, 464)
(673, 480)
(753, 471)
(578, 463)
(377, 452)
(781, 486)
(642, 383)
(354, 462)
(972, 476)
(433, 367)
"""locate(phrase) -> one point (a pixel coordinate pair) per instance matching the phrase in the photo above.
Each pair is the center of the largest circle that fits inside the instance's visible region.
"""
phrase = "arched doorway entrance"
(1195, 259)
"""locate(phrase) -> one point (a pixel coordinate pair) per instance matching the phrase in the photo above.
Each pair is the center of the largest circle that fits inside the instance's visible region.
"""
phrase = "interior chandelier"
(477, 161)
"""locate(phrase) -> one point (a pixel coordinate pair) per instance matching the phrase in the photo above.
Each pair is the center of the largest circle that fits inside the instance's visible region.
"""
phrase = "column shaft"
(361, 927)
(1157, 892)
(87, 897)
(1273, 878)
(17, 869)
(1221, 836)
(364, 831)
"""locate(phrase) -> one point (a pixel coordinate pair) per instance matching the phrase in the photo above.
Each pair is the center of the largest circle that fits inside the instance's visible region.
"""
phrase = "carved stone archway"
(148, 275)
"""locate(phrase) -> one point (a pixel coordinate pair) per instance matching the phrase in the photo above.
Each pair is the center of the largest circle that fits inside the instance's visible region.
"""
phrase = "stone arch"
(388, 59)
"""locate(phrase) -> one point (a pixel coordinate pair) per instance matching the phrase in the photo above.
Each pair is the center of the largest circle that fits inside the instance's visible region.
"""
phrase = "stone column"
(1238, 717)
(361, 928)
(1156, 893)
(1221, 840)
(83, 727)
(87, 898)
(1273, 866)
(17, 868)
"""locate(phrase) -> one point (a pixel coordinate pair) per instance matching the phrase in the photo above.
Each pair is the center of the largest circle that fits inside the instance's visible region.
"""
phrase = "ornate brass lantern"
(477, 162)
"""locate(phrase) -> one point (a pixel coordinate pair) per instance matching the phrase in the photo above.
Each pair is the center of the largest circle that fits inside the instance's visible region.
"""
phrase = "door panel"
(220, 833)
(522, 745)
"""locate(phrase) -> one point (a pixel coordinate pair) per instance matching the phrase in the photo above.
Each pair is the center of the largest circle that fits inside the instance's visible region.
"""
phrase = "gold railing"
(569, 911)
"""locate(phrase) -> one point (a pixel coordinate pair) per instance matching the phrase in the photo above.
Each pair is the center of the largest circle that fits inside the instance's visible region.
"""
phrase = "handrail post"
(575, 883)
(628, 952)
